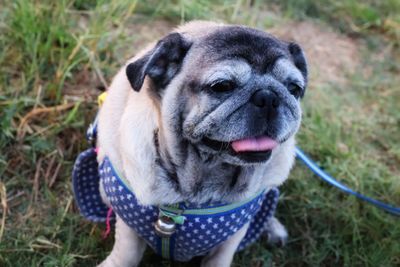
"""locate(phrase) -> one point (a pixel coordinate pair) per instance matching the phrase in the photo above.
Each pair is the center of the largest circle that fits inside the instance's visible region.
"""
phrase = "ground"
(56, 56)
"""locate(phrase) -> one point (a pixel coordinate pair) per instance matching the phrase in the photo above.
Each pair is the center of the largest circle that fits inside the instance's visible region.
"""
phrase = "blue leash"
(330, 180)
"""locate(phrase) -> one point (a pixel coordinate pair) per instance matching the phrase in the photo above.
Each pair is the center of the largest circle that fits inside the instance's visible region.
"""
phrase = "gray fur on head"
(227, 84)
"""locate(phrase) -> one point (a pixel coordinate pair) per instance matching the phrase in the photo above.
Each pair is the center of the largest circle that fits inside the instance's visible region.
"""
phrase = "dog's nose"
(265, 99)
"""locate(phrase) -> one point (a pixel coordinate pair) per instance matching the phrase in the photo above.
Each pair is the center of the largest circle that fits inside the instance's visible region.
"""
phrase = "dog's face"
(233, 92)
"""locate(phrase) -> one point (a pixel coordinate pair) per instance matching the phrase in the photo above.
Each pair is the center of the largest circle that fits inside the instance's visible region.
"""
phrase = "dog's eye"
(296, 90)
(222, 86)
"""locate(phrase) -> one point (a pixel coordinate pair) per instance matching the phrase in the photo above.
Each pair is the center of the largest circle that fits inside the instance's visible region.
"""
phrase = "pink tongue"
(261, 143)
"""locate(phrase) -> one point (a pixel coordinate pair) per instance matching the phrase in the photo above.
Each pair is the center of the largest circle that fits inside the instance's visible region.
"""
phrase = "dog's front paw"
(106, 263)
(276, 232)
(109, 262)
(112, 261)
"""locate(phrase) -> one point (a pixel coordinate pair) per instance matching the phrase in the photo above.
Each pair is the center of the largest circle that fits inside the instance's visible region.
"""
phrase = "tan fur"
(128, 247)
(222, 255)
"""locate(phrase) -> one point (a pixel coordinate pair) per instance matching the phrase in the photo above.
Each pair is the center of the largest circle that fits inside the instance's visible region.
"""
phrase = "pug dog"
(208, 114)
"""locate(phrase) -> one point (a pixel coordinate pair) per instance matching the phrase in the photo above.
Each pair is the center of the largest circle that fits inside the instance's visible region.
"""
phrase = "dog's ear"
(161, 64)
(299, 59)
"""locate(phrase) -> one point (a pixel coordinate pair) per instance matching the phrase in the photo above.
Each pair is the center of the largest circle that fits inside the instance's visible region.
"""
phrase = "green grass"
(56, 53)
(350, 16)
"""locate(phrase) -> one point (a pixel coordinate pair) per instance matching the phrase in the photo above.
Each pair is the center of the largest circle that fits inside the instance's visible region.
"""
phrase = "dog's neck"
(200, 177)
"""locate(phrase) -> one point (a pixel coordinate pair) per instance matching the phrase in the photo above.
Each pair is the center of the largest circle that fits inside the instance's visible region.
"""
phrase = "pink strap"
(108, 225)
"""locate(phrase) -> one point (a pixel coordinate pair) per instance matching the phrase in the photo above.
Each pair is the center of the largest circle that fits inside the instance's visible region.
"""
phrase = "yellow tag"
(101, 98)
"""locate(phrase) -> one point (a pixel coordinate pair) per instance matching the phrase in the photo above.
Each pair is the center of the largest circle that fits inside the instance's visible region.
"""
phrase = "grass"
(55, 54)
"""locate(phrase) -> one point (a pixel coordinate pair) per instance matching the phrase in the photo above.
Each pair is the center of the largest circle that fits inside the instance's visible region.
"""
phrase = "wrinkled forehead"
(235, 52)
(257, 48)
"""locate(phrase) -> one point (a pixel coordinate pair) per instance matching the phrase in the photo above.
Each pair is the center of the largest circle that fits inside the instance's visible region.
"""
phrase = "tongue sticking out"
(261, 143)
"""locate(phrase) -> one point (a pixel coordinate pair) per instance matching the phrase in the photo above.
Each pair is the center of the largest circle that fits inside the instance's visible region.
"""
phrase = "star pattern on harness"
(195, 237)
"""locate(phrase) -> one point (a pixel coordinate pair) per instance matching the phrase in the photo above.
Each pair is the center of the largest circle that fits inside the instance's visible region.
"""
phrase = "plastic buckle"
(91, 133)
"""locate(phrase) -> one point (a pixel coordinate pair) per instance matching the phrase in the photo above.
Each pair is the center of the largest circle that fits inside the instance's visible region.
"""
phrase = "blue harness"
(199, 228)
